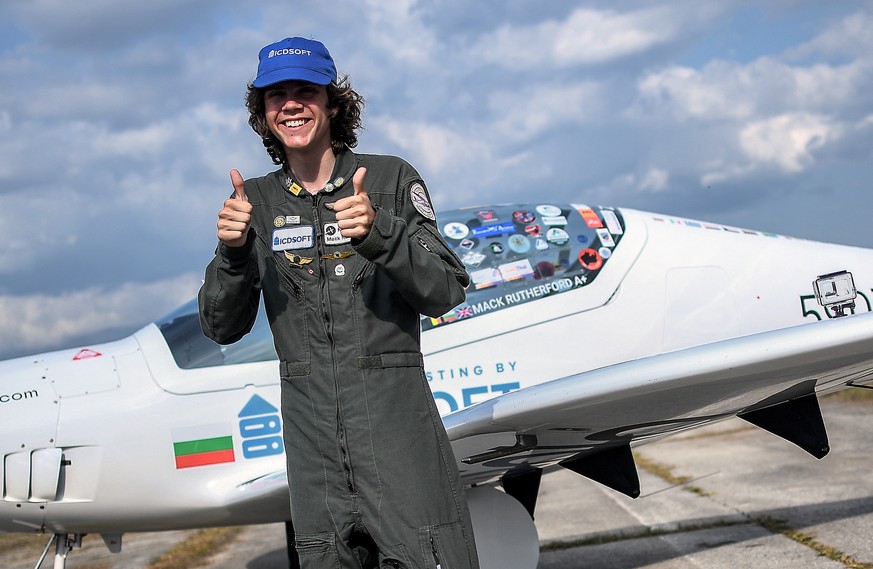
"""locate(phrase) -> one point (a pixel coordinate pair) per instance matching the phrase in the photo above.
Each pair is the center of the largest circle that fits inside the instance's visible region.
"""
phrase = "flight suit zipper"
(328, 325)
(433, 548)
(360, 276)
(289, 281)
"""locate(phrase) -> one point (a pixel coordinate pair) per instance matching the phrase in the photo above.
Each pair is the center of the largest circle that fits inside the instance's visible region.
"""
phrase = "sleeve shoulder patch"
(420, 201)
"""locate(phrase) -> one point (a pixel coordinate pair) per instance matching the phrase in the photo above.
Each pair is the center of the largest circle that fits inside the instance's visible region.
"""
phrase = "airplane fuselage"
(121, 437)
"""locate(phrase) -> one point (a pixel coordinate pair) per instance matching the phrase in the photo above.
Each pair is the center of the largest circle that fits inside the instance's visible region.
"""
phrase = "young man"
(346, 251)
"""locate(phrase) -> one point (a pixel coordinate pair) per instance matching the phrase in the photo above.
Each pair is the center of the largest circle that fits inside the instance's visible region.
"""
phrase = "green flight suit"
(371, 471)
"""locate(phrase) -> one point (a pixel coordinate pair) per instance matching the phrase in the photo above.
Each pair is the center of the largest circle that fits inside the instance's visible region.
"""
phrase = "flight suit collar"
(343, 170)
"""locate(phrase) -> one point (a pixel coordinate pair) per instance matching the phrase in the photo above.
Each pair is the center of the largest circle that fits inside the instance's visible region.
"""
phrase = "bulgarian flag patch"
(203, 445)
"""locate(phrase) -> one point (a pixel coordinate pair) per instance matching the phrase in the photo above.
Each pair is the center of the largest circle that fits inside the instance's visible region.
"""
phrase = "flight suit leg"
(321, 504)
(411, 498)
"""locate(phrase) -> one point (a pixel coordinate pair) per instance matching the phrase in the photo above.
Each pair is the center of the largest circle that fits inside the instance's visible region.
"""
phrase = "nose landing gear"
(64, 543)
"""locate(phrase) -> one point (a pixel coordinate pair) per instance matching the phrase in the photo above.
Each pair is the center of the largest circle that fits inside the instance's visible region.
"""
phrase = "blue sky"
(119, 122)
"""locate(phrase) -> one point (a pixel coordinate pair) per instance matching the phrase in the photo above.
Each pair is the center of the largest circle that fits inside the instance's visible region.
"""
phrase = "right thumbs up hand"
(235, 217)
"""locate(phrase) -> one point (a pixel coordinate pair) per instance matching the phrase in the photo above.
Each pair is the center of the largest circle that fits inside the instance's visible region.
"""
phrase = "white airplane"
(586, 331)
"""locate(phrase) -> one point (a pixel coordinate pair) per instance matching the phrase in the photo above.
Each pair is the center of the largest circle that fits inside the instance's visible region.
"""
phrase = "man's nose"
(291, 103)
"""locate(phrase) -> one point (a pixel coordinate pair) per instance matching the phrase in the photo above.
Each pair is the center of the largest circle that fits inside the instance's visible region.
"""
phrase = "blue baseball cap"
(295, 58)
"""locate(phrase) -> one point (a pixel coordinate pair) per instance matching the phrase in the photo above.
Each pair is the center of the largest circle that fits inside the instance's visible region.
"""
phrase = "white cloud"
(652, 181)
(35, 226)
(827, 87)
(589, 36)
(720, 91)
(434, 146)
(655, 180)
(585, 37)
(717, 172)
(849, 36)
(735, 91)
(34, 322)
(529, 110)
(788, 141)
(742, 119)
(146, 140)
(399, 32)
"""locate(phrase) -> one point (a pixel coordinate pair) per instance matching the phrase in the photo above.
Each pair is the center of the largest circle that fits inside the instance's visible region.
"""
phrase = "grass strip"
(197, 549)
(15, 542)
(666, 472)
(772, 525)
(856, 395)
(805, 539)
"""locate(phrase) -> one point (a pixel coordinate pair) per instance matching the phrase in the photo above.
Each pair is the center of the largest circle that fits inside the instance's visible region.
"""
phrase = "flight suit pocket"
(447, 546)
(317, 550)
(430, 240)
(288, 299)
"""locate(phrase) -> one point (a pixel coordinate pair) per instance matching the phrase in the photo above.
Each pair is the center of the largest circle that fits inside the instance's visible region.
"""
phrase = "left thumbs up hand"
(355, 214)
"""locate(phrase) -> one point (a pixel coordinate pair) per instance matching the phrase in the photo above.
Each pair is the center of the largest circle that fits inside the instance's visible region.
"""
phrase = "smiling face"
(297, 114)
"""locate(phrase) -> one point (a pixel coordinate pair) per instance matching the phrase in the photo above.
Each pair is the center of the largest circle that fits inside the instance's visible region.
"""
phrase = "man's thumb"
(238, 185)
(358, 180)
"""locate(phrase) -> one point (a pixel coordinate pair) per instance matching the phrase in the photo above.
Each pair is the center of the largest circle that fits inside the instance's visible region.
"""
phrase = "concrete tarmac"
(753, 500)
(727, 496)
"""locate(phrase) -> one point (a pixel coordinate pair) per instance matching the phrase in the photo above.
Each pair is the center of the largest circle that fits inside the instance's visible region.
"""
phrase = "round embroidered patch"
(279, 221)
(420, 201)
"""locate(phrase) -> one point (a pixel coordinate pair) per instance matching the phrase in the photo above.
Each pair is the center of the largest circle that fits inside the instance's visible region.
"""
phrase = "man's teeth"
(292, 124)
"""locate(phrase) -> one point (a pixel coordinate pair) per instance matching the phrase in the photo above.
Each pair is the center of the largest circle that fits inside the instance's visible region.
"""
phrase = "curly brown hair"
(344, 125)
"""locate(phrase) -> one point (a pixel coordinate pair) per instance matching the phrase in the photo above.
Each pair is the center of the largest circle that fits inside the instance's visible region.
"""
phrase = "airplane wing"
(588, 422)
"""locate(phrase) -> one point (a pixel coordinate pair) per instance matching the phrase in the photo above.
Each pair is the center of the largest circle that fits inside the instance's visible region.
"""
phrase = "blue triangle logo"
(257, 405)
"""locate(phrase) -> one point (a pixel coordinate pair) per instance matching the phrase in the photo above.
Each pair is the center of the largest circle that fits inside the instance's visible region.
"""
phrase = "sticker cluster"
(518, 253)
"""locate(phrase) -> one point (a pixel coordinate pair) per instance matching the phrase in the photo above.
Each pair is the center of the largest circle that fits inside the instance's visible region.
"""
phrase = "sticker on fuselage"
(293, 238)
(605, 237)
(522, 252)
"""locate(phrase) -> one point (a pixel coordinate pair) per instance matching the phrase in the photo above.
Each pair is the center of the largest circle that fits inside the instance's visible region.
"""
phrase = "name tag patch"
(333, 236)
(301, 237)
(283, 220)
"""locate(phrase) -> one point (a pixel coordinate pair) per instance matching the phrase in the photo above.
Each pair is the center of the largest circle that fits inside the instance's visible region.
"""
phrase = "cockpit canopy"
(191, 349)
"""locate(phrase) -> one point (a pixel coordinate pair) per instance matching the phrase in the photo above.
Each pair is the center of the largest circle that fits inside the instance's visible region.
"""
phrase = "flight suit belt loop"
(407, 359)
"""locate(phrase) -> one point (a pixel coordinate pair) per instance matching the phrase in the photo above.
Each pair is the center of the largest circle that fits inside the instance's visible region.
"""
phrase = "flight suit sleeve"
(231, 292)
(409, 248)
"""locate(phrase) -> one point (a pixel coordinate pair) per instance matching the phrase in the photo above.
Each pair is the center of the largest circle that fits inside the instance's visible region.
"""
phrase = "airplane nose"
(31, 464)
